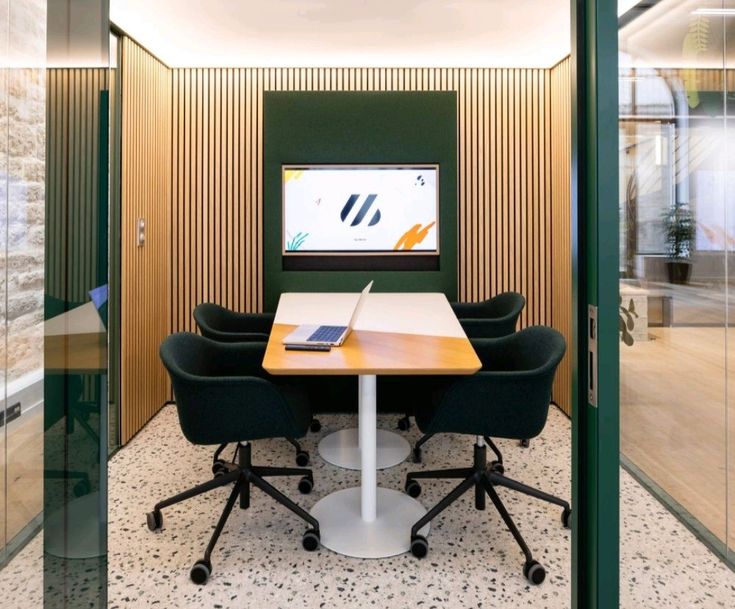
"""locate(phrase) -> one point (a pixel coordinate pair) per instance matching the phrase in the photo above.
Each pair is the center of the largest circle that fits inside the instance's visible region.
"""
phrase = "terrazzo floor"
(473, 560)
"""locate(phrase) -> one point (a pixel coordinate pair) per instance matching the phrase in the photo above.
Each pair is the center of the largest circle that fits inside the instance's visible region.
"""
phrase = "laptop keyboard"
(327, 334)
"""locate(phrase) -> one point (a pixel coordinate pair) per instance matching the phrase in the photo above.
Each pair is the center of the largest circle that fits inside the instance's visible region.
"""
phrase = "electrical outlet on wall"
(10, 414)
(141, 232)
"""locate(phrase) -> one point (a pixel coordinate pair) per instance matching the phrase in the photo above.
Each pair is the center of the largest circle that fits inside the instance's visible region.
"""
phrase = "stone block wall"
(22, 190)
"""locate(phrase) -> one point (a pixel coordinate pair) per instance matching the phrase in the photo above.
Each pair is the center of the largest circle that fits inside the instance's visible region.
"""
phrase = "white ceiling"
(337, 33)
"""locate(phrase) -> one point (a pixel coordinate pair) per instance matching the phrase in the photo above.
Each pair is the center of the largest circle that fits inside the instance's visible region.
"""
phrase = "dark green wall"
(359, 127)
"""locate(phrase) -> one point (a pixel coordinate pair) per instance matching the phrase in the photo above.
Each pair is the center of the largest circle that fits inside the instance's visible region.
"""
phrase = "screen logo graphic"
(413, 236)
(369, 200)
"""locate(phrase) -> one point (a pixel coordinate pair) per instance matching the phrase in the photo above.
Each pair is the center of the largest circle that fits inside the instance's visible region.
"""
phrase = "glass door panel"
(4, 70)
(676, 231)
(53, 306)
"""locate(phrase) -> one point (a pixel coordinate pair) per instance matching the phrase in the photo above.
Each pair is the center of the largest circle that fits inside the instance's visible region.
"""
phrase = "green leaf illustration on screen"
(296, 242)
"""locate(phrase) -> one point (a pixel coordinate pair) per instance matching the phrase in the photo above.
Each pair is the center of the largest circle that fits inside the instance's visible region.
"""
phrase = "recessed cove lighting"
(726, 12)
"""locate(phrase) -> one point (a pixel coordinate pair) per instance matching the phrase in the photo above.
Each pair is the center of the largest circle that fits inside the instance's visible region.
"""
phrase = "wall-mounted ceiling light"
(726, 12)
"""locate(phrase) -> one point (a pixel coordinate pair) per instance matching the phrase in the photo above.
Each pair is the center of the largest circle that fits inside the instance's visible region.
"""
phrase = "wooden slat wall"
(146, 193)
(513, 194)
(504, 175)
(72, 174)
(561, 223)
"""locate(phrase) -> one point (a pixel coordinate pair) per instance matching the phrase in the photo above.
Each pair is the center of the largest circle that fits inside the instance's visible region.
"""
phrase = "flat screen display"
(360, 209)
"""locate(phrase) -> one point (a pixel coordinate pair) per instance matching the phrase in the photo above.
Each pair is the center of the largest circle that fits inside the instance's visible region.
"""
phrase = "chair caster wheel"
(154, 520)
(404, 423)
(534, 572)
(497, 467)
(306, 484)
(302, 458)
(315, 425)
(419, 546)
(417, 455)
(200, 572)
(218, 468)
(81, 488)
(413, 488)
(311, 540)
(525, 443)
(566, 518)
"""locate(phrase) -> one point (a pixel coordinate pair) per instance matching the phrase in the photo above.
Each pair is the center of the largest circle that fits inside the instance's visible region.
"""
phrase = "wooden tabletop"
(377, 345)
(76, 353)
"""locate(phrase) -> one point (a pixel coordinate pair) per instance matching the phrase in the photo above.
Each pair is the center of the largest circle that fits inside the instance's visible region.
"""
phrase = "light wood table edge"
(360, 351)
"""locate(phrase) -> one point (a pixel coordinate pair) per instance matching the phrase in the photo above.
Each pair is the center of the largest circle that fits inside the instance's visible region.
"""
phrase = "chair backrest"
(491, 318)
(223, 395)
(221, 324)
(509, 397)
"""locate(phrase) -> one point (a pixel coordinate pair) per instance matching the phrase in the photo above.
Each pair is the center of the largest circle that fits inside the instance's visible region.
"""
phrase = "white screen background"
(314, 199)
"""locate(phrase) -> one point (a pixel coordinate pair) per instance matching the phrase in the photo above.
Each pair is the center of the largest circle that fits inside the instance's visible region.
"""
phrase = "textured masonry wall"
(22, 196)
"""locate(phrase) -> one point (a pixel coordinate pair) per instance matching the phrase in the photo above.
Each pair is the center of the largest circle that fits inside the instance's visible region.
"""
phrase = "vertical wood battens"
(504, 197)
(147, 280)
(73, 171)
(559, 164)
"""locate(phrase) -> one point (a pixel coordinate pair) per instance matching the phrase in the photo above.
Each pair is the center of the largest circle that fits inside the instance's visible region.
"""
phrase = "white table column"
(343, 448)
(368, 446)
(368, 521)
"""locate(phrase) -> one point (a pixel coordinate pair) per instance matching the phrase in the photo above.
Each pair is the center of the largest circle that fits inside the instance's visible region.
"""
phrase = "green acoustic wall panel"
(358, 127)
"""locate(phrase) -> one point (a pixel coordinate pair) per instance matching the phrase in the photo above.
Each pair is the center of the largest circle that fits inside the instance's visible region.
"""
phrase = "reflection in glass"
(676, 231)
(53, 311)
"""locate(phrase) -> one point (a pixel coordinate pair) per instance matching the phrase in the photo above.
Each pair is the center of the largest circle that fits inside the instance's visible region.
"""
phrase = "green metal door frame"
(595, 427)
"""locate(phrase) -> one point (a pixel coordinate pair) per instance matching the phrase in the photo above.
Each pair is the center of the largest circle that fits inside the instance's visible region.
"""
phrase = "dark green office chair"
(491, 318)
(219, 323)
(225, 326)
(508, 398)
(223, 396)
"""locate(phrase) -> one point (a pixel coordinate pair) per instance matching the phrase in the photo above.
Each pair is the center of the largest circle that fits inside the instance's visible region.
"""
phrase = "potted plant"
(679, 224)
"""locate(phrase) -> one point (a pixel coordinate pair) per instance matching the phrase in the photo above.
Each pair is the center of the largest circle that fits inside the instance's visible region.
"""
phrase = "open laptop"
(333, 336)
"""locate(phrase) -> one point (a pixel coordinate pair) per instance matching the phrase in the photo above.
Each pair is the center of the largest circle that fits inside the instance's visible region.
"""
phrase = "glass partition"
(54, 120)
(677, 228)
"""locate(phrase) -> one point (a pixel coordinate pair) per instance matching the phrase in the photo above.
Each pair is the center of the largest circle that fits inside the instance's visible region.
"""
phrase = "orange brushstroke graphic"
(413, 236)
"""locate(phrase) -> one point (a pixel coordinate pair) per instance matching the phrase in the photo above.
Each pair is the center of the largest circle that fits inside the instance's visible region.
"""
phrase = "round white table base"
(79, 516)
(344, 531)
(342, 448)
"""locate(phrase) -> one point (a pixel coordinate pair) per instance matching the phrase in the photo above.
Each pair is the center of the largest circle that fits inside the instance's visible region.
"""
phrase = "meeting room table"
(395, 334)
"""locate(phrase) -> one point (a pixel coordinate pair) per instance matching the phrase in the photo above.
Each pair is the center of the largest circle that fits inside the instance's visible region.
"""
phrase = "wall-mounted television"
(368, 210)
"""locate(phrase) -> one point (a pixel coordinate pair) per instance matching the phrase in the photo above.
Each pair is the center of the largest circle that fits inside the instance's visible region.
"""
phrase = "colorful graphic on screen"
(360, 209)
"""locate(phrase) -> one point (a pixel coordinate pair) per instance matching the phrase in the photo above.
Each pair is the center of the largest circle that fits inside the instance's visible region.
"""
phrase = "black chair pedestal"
(484, 477)
(497, 463)
(243, 474)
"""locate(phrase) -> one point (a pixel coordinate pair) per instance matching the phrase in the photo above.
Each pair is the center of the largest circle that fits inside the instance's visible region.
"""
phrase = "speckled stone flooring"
(473, 561)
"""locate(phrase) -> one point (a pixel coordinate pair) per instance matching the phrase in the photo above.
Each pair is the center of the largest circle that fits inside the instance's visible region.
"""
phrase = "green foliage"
(626, 321)
(695, 43)
(679, 224)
